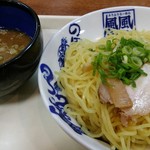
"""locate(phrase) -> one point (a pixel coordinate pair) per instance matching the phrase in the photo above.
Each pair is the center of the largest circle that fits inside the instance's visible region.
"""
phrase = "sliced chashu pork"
(115, 93)
(132, 101)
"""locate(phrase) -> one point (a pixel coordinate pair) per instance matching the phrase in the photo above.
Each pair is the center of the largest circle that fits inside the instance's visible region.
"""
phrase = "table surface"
(25, 122)
(77, 7)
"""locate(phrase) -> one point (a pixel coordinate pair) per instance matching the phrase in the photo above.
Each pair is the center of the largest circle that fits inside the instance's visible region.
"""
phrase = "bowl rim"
(29, 10)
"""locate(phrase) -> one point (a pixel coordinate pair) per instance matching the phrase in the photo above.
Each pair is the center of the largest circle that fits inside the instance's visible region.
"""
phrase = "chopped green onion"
(121, 59)
(108, 45)
(138, 51)
(136, 61)
(127, 50)
(125, 59)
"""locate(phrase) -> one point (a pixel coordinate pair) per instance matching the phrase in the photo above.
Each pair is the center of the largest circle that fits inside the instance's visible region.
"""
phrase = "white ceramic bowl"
(91, 26)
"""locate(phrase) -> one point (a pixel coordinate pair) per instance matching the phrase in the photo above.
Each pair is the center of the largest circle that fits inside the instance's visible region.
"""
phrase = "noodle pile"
(98, 120)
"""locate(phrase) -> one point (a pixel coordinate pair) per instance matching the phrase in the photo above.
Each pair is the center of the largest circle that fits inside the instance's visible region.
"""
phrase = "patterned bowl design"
(92, 26)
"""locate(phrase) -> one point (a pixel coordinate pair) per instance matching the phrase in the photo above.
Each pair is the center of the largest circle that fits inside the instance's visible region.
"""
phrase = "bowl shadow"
(23, 93)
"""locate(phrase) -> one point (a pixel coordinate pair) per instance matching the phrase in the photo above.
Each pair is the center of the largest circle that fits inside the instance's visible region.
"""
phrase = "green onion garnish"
(123, 61)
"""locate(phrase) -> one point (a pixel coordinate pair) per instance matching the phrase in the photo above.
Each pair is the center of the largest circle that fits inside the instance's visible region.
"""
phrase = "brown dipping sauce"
(12, 42)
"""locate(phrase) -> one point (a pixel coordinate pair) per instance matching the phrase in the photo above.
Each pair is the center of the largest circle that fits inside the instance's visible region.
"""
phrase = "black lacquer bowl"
(13, 73)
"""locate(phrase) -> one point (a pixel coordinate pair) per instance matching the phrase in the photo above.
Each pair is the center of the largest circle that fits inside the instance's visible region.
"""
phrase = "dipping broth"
(12, 42)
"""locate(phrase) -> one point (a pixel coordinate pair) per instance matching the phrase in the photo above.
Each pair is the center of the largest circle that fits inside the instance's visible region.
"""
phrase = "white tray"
(25, 123)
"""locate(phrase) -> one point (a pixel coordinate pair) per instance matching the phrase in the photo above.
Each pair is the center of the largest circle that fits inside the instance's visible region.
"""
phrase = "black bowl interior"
(16, 15)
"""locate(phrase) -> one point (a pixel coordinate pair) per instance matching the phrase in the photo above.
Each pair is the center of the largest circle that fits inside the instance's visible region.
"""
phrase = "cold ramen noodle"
(12, 42)
(107, 86)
